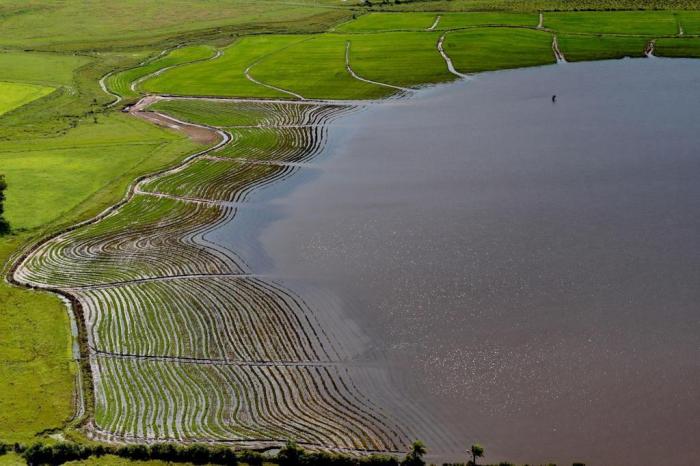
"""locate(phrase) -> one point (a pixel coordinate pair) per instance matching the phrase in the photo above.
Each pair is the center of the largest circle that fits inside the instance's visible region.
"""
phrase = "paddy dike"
(524, 271)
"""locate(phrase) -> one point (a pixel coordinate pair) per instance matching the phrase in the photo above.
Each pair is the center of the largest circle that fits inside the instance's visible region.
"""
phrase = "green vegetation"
(461, 20)
(579, 47)
(685, 47)
(105, 24)
(321, 62)
(648, 23)
(689, 22)
(224, 76)
(389, 22)
(4, 224)
(487, 49)
(13, 95)
(121, 83)
(399, 58)
(50, 177)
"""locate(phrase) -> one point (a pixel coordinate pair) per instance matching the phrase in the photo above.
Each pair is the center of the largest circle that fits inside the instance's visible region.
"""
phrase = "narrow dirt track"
(448, 60)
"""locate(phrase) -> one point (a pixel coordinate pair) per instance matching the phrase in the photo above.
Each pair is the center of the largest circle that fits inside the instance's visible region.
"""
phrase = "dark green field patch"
(646, 23)
(678, 48)
(399, 58)
(489, 49)
(580, 48)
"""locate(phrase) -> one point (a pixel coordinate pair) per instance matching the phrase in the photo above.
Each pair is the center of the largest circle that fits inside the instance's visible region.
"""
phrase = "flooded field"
(524, 273)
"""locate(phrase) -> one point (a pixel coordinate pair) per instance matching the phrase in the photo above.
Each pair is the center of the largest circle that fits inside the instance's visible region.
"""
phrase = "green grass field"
(223, 76)
(399, 58)
(121, 83)
(646, 23)
(678, 48)
(489, 49)
(321, 62)
(580, 48)
(373, 22)
(13, 95)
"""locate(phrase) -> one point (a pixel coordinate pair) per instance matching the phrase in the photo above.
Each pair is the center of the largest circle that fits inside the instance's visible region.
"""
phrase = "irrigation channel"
(474, 262)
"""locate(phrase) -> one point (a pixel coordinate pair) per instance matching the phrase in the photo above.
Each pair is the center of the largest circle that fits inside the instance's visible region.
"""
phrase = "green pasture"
(315, 68)
(399, 58)
(580, 48)
(13, 95)
(104, 24)
(225, 75)
(373, 22)
(489, 49)
(377, 22)
(677, 48)
(541, 5)
(121, 83)
(49, 177)
(689, 21)
(45, 69)
(644, 23)
(471, 19)
(36, 363)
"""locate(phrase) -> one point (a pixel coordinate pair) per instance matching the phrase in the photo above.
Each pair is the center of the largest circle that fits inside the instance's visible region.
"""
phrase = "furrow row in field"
(220, 317)
(315, 405)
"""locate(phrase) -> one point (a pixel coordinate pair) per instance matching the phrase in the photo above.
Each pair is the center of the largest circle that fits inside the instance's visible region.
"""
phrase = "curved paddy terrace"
(355, 272)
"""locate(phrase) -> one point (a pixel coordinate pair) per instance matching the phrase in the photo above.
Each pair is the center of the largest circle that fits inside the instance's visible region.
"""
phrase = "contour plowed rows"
(151, 399)
(184, 341)
(222, 318)
(147, 238)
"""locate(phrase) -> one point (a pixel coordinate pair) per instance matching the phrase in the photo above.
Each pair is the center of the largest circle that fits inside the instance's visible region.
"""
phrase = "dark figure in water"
(554, 98)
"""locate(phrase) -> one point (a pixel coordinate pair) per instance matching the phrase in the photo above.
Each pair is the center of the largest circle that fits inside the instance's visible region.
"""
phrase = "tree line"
(290, 455)
(4, 225)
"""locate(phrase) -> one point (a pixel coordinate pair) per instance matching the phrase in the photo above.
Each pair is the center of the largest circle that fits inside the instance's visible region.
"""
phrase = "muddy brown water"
(525, 272)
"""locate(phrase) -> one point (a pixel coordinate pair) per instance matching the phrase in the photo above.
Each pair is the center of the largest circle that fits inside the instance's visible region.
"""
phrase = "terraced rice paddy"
(243, 358)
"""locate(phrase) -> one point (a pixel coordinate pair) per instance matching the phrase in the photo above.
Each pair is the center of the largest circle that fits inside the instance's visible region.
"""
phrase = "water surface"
(527, 272)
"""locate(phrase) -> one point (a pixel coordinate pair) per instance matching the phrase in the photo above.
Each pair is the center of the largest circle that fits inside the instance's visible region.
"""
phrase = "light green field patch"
(36, 363)
(13, 95)
(48, 177)
(646, 23)
(224, 76)
(580, 48)
(487, 49)
(399, 58)
(374, 22)
(689, 21)
(315, 68)
(678, 48)
(47, 69)
(121, 83)
(461, 20)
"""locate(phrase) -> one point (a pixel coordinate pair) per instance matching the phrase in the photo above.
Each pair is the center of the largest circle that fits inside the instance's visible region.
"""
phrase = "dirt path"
(649, 49)
(369, 81)
(447, 59)
(557, 53)
(437, 20)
